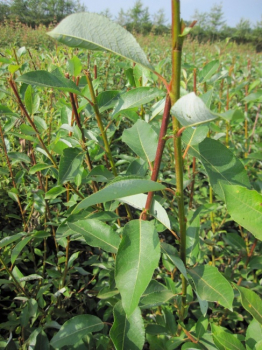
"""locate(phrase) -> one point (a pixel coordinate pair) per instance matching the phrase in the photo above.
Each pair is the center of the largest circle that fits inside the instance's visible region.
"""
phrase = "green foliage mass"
(86, 263)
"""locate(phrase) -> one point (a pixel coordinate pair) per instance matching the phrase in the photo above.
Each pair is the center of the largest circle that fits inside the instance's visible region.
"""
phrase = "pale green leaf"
(251, 302)
(137, 258)
(32, 100)
(18, 248)
(38, 167)
(226, 340)
(10, 239)
(137, 139)
(135, 98)
(96, 234)
(139, 201)
(95, 32)
(127, 332)
(208, 71)
(253, 334)
(211, 285)
(54, 192)
(121, 187)
(190, 110)
(245, 207)
(74, 329)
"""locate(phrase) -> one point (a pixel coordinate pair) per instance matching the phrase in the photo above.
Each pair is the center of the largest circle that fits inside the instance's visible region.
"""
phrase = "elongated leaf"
(135, 98)
(192, 241)
(127, 332)
(245, 207)
(155, 294)
(173, 256)
(43, 79)
(190, 110)
(251, 302)
(69, 164)
(193, 136)
(18, 157)
(139, 201)
(75, 328)
(32, 100)
(96, 234)
(210, 69)
(39, 167)
(18, 248)
(121, 187)
(95, 32)
(54, 192)
(221, 165)
(137, 139)
(226, 340)
(211, 285)
(10, 239)
(137, 258)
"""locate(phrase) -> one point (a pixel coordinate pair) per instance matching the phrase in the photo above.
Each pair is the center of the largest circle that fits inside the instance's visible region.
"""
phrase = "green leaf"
(107, 100)
(137, 139)
(54, 192)
(53, 80)
(32, 100)
(18, 157)
(195, 135)
(96, 234)
(173, 256)
(136, 260)
(226, 340)
(95, 32)
(155, 294)
(121, 187)
(100, 174)
(39, 167)
(201, 327)
(10, 239)
(245, 207)
(192, 240)
(75, 328)
(221, 165)
(210, 69)
(127, 332)
(18, 248)
(190, 110)
(139, 201)
(253, 334)
(251, 302)
(211, 285)
(74, 66)
(69, 164)
(135, 98)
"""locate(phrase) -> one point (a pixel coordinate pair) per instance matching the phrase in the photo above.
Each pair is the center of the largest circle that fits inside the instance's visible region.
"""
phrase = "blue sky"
(233, 9)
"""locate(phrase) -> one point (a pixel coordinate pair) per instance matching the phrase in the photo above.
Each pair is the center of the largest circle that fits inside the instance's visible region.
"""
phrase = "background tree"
(159, 22)
(216, 20)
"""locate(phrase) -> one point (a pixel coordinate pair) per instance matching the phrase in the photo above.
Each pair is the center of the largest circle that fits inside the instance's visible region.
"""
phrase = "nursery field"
(89, 259)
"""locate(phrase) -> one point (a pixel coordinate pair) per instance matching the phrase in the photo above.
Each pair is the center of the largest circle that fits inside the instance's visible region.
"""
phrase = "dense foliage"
(84, 263)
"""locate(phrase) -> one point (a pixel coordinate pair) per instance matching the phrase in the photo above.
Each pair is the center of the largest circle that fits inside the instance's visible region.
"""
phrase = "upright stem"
(177, 43)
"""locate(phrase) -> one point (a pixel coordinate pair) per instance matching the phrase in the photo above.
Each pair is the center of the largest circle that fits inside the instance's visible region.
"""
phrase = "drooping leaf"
(135, 98)
(53, 80)
(18, 157)
(137, 139)
(211, 285)
(190, 110)
(121, 187)
(173, 256)
(95, 32)
(69, 164)
(221, 165)
(137, 258)
(226, 340)
(139, 201)
(10, 239)
(245, 207)
(127, 332)
(155, 294)
(96, 234)
(18, 248)
(74, 329)
(251, 302)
